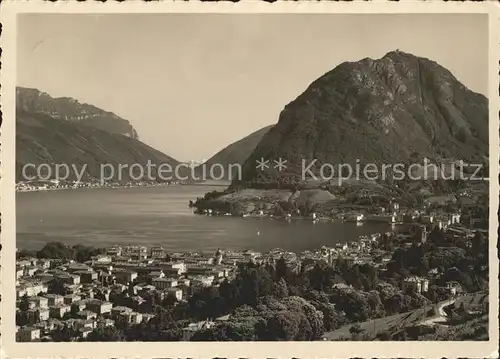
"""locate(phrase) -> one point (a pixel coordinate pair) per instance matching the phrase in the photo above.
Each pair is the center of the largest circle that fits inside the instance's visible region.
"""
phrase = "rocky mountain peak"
(379, 111)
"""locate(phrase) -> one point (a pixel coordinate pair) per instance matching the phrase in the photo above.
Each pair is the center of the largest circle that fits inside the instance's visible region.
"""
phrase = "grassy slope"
(389, 324)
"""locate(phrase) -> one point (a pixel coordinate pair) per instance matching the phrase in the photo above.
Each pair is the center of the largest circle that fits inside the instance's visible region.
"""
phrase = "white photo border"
(321, 349)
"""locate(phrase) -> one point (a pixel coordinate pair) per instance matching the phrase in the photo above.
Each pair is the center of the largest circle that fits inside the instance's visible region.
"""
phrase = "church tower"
(218, 257)
(423, 232)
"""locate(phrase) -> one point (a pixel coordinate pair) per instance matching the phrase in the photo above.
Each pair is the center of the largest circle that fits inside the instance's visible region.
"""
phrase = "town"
(81, 293)
(52, 185)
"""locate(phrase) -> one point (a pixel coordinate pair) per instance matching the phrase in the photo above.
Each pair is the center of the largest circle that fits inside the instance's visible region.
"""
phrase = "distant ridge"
(63, 131)
(237, 152)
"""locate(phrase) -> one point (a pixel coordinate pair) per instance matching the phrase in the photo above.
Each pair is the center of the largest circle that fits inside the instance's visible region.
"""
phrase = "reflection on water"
(161, 216)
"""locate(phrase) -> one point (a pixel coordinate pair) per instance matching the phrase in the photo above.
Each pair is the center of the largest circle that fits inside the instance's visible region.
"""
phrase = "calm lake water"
(161, 216)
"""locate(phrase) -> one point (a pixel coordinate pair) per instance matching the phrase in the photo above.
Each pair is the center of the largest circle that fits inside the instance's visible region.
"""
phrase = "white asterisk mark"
(280, 164)
(262, 164)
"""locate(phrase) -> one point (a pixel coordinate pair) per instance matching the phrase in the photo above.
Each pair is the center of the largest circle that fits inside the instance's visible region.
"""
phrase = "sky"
(191, 84)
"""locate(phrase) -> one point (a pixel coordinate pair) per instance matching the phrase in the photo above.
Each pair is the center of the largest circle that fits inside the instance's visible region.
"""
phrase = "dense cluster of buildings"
(392, 214)
(88, 287)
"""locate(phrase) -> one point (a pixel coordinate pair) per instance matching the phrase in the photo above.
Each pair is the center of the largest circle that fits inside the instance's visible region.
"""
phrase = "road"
(442, 316)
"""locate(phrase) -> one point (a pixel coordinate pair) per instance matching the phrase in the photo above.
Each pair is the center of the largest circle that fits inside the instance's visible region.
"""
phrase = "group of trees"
(22, 317)
(290, 318)
(58, 250)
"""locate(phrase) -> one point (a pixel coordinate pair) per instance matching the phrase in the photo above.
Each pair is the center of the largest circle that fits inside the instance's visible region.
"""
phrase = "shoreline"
(358, 239)
(93, 187)
(340, 217)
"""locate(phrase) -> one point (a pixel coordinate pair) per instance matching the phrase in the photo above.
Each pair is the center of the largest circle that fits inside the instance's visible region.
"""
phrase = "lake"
(157, 216)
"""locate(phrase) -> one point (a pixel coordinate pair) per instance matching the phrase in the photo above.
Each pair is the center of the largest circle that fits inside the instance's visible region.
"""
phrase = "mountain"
(386, 111)
(66, 108)
(41, 139)
(237, 152)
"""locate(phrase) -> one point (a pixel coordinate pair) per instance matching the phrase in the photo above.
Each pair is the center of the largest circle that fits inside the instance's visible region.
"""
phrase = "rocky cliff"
(41, 139)
(66, 108)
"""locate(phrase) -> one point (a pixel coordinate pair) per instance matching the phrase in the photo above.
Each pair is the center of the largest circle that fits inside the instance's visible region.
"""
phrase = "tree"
(227, 332)
(282, 270)
(321, 277)
(432, 294)
(251, 283)
(230, 293)
(341, 265)
(436, 236)
(265, 282)
(24, 304)
(83, 253)
(64, 334)
(395, 303)
(171, 335)
(375, 304)
(479, 245)
(21, 318)
(281, 289)
(283, 325)
(169, 301)
(56, 286)
(55, 250)
(21, 254)
(105, 334)
(352, 303)
(355, 278)
(355, 330)
(423, 266)
(332, 319)
(384, 336)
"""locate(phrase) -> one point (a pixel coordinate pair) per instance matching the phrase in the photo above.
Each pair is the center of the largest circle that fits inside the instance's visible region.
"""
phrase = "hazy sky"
(192, 84)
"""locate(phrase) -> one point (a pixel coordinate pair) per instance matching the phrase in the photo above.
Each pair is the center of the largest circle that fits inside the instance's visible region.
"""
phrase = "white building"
(355, 217)
(164, 283)
(40, 302)
(417, 284)
(455, 218)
